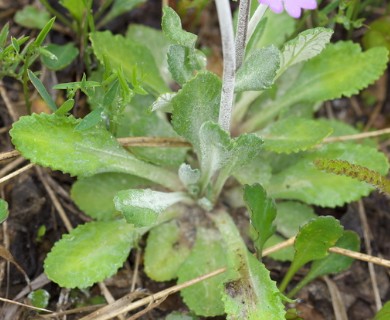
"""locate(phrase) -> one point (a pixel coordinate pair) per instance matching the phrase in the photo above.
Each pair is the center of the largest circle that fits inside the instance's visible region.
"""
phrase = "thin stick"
(11, 166)
(24, 305)
(8, 102)
(55, 201)
(153, 142)
(15, 173)
(344, 252)
(358, 136)
(367, 241)
(9, 155)
(229, 63)
(71, 311)
(108, 296)
(121, 306)
(279, 246)
(135, 270)
(361, 256)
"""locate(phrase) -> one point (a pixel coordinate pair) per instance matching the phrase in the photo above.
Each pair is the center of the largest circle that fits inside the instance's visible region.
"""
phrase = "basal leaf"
(294, 134)
(95, 195)
(249, 292)
(52, 141)
(196, 103)
(127, 54)
(90, 253)
(143, 207)
(3, 210)
(262, 211)
(171, 26)
(258, 70)
(137, 120)
(65, 55)
(305, 46)
(207, 255)
(312, 243)
(291, 216)
(165, 251)
(342, 69)
(333, 263)
(32, 17)
(299, 179)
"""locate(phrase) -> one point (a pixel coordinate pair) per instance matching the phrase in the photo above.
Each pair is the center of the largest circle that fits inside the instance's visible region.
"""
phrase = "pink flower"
(293, 7)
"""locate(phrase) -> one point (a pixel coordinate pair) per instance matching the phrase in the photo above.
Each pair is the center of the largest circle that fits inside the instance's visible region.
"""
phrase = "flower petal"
(275, 5)
(292, 8)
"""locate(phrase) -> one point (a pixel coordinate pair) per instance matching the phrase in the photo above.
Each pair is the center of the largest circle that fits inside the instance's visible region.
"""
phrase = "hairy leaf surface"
(90, 253)
(52, 141)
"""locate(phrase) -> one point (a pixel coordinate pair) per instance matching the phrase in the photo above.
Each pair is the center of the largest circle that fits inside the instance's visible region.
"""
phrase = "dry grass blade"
(358, 136)
(8, 256)
(16, 173)
(9, 155)
(122, 305)
(24, 305)
(337, 301)
(153, 142)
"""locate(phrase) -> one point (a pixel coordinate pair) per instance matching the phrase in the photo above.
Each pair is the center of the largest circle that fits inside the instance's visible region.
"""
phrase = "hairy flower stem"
(242, 29)
(229, 63)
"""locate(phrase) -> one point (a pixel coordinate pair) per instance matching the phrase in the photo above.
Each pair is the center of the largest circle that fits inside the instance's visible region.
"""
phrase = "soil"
(31, 208)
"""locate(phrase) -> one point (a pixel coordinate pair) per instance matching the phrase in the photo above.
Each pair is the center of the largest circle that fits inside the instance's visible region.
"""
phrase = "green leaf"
(171, 26)
(218, 151)
(95, 195)
(294, 134)
(249, 292)
(166, 250)
(299, 179)
(305, 46)
(90, 120)
(90, 253)
(207, 255)
(65, 55)
(333, 263)
(65, 107)
(377, 34)
(291, 216)
(184, 62)
(32, 17)
(4, 35)
(143, 207)
(39, 298)
(262, 212)
(258, 70)
(157, 44)
(81, 153)
(312, 243)
(137, 120)
(76, 8)
(120, 7)
(42, 90)
(384, 313)
(127, 54)
(197, 102)
(3, 210)
(342, 69)
(43, 33)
